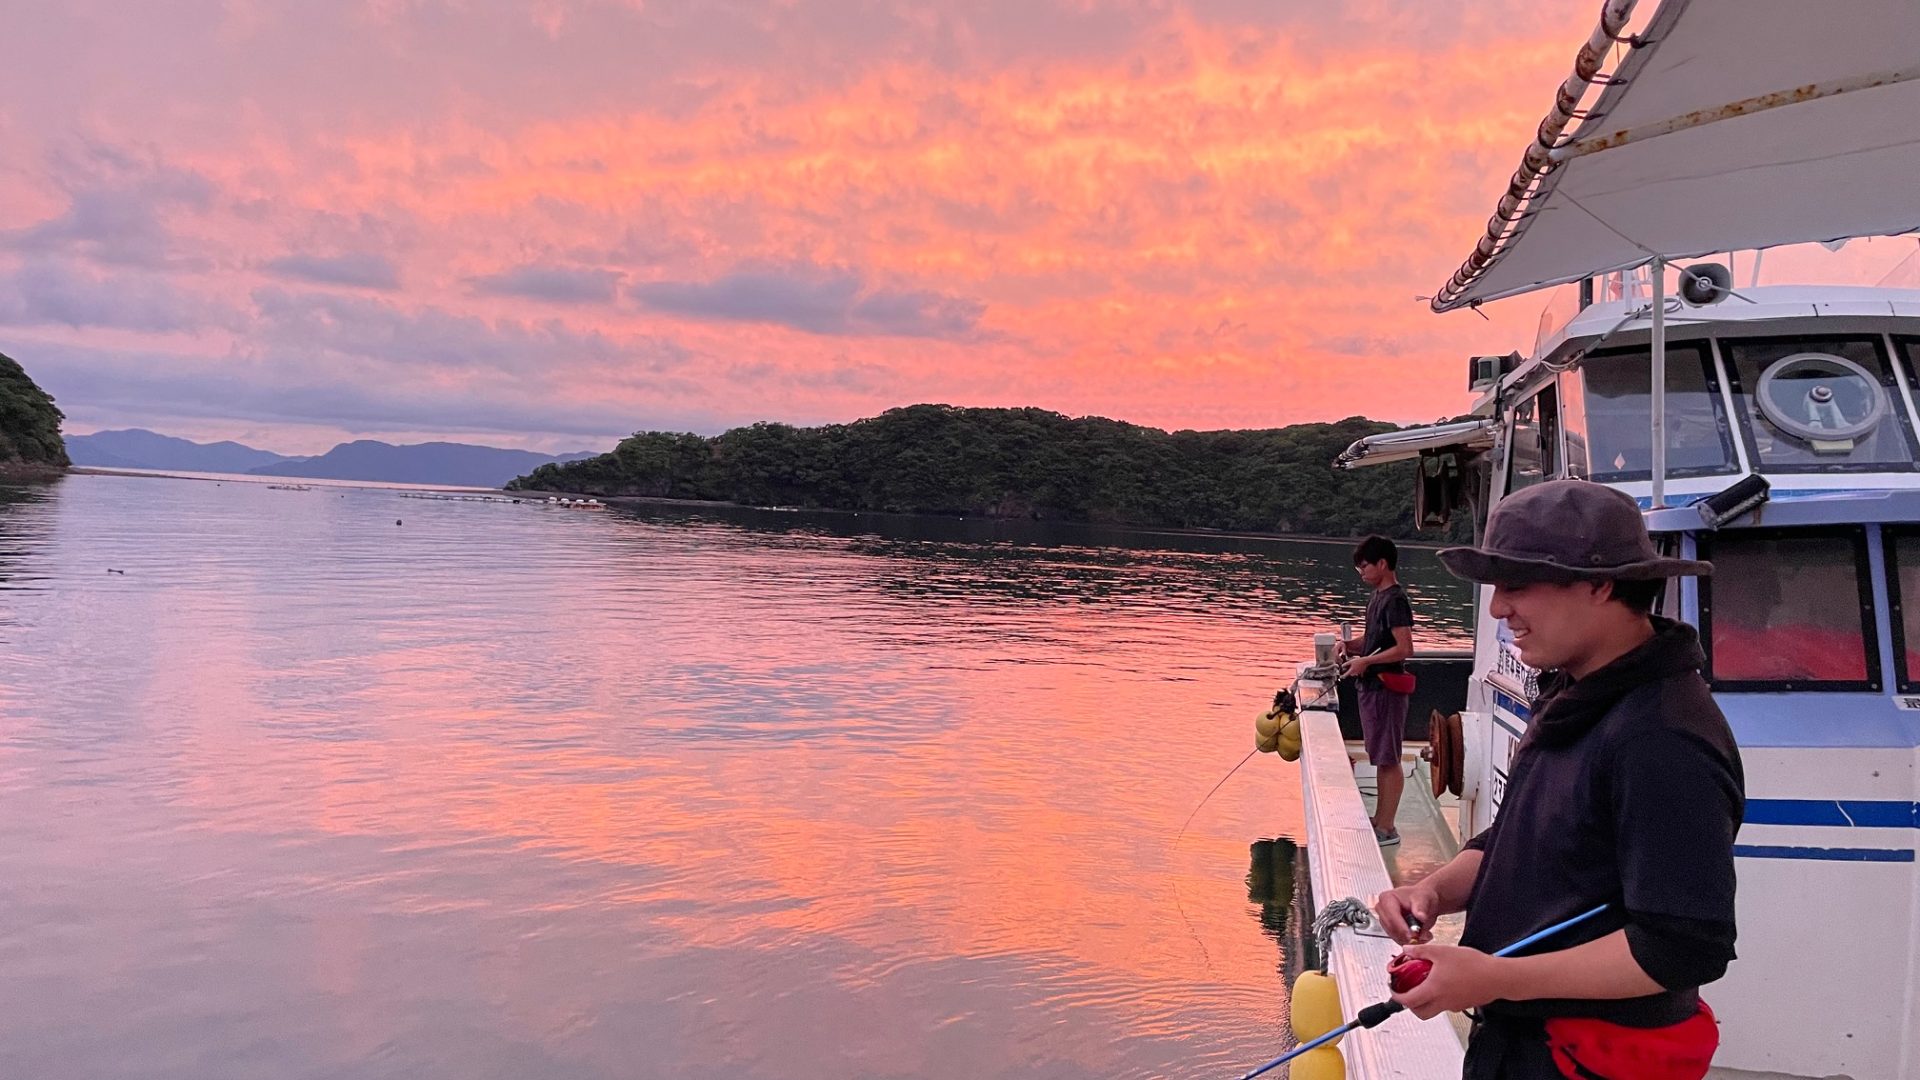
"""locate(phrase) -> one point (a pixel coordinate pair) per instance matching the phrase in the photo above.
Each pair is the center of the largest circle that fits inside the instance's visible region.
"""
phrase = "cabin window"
(1616, 409)
(1903, 574)
(1534, 454)
(1573, 425)
(1820, 404)
(1789, 609)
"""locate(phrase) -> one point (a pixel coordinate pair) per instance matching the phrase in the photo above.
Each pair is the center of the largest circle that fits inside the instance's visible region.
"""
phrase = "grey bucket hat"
(1565, 531)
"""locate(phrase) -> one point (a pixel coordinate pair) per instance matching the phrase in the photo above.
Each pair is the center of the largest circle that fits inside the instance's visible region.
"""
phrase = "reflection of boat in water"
(1771, 430)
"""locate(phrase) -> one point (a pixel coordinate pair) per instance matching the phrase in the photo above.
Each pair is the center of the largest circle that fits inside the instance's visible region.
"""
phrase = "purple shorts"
(1383, 721)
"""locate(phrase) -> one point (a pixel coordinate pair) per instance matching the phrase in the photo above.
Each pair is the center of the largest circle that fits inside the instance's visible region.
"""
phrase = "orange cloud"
(1187, 218)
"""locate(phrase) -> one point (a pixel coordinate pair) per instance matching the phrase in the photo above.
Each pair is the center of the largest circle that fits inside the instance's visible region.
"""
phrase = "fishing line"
(1205, 956)
(1209, 795)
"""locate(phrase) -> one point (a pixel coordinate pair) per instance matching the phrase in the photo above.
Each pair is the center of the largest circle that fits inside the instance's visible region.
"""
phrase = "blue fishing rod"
(1374, 1014)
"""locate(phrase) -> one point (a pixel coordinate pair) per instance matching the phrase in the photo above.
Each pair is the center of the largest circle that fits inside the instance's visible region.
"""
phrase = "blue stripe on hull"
(1770, 851)
(1843, 813)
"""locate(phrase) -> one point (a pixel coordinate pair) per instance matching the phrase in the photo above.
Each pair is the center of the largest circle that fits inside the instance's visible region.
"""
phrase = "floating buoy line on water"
(438, 496)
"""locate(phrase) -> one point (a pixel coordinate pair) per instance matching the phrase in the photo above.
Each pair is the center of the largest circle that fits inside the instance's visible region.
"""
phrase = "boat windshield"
(1616, 390)
(1820, 404)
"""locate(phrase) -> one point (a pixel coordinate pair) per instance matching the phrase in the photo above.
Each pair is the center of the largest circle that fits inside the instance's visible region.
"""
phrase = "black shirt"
(1386, 609)
(1627, 790)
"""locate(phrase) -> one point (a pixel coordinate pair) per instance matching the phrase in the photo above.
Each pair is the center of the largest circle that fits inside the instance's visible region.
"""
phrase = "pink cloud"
(579, 218)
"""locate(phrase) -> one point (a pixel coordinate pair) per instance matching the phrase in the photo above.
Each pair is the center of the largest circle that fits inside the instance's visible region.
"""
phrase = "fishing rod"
(1374, 1014)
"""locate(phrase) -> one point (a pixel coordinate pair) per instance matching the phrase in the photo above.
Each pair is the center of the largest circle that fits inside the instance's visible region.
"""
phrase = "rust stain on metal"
(1744, 107)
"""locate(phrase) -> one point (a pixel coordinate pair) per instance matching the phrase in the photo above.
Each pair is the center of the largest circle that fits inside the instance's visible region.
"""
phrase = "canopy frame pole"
(1659, 383)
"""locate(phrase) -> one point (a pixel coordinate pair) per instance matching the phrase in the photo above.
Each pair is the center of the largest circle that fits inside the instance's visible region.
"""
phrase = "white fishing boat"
(1772, 430)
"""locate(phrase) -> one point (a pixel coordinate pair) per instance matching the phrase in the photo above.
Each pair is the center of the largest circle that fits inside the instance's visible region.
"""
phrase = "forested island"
(30, 444)
(1018, 463)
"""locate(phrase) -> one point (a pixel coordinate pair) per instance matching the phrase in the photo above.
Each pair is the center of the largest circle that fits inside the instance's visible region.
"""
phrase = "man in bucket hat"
(1626, 791)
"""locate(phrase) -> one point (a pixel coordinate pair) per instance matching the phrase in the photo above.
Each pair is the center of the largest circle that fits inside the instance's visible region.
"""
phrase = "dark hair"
(1639, 596)
(1375, 549)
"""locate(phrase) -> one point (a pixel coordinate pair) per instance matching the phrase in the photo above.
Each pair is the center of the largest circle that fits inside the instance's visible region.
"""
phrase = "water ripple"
(335, 784)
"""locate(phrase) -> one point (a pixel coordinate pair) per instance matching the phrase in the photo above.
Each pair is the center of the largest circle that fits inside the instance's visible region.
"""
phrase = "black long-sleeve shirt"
(1627, 790)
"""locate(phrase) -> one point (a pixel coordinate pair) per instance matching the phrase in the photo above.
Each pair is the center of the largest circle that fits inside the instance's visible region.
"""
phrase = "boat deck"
(1426, 837)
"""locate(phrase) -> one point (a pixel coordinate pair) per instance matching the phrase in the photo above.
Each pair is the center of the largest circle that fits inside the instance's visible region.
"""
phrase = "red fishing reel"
(1406, 972)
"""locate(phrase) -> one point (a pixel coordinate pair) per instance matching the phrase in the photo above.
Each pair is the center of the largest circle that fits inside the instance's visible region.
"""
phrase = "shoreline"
(1147, 530)
(533, 496)
(30, 472)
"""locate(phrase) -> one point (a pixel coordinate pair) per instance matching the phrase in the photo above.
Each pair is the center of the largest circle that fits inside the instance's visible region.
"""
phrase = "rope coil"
(1348, 911)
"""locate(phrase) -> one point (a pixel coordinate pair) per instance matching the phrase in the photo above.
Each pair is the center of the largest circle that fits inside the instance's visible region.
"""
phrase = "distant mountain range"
(456, 464)
(135, 448)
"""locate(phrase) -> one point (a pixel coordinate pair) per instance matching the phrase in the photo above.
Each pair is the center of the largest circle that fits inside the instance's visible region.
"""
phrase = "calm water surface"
(341, 784)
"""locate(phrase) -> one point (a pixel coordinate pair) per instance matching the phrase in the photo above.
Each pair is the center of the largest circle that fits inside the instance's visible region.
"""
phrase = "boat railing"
(1344, 860)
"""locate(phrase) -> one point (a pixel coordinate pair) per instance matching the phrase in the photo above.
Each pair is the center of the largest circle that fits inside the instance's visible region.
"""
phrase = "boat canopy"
(1729, 125)
(1390, 446)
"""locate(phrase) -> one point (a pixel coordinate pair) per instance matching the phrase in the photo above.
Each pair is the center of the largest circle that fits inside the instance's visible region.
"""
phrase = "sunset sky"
(548, 224)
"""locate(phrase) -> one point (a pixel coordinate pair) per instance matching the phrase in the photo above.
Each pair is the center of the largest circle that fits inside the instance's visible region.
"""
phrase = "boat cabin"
(1793, 464)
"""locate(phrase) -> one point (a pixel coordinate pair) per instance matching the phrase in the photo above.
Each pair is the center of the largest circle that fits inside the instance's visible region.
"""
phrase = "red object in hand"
(1406, 972)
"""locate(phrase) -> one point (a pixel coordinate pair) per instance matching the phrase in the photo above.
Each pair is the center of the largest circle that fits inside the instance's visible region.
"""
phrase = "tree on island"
(30, 443)
(1018, 463)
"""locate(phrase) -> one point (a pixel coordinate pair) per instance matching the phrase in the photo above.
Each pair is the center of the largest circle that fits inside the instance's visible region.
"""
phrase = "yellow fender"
(1314, 1009)
(1266, 732)
(1287, 739)
(1319, 1063)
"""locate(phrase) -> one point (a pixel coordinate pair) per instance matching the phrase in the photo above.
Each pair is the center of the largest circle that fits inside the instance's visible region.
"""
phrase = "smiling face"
(1556, 625)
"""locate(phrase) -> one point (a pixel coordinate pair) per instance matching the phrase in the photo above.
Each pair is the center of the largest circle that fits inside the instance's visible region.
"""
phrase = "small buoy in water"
(1314, 1009)
(1319, 1063)
(396, 521)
